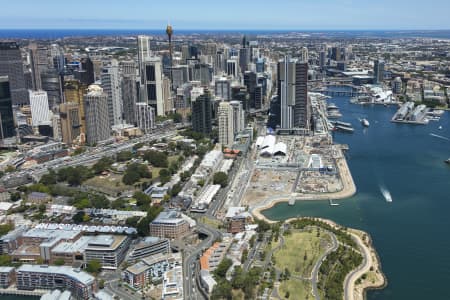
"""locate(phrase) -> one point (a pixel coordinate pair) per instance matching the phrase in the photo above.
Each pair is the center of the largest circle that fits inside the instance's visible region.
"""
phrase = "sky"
(226, 14)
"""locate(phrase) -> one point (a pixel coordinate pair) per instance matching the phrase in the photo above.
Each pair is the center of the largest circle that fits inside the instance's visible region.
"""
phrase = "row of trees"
(247, 282)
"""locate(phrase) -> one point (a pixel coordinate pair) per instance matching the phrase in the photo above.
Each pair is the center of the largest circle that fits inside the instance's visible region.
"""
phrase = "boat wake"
(440, 137)
(386, 194)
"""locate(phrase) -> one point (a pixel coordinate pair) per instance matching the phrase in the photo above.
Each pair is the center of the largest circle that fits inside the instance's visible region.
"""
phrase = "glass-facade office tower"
(6, 111)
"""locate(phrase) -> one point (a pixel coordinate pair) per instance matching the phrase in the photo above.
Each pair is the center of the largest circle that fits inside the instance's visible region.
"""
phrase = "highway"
(190, 270)
(36, 172)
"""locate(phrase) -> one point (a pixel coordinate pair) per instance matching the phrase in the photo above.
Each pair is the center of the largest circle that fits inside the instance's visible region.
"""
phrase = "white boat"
(440, 128)
(386, 194)
(365, 122)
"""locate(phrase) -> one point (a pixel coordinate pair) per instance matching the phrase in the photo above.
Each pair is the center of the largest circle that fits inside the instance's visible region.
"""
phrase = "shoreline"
(348, 190)
(357, 291)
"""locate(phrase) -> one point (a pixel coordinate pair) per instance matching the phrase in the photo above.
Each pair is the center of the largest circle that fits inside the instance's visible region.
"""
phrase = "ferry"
(332, 203)
(342, 124)
(365, 122)
(386, 194)
(334, 115)
(345, 128)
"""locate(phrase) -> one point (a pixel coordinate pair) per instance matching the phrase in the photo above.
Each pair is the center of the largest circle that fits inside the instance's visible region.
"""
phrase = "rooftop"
(80, 276)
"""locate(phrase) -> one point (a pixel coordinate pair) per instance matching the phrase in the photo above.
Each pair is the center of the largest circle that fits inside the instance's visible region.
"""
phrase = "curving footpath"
(351, 278)
(315, 271)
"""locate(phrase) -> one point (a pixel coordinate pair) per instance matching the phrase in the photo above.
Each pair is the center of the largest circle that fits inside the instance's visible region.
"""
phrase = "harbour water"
(411, 233)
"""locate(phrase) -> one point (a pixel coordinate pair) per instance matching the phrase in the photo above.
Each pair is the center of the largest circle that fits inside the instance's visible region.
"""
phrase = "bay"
(411, 234)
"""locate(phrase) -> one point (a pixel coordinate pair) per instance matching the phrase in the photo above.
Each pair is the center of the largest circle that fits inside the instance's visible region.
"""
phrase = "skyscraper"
(244, 59)
(201, 110)
(223, 88)
(250, 81)
(293, 93)
(86, 72)
(40, 113)
(112, 87)
(378, 71)
(153, 84)
(70, 118)
(226, 124)
(145, 117)
(129, 91)
(6, 111)
(96, 109)
(34, 63)
(238, 116)
(11, 65)
(144, 53)
(74, 92)
(304, 56)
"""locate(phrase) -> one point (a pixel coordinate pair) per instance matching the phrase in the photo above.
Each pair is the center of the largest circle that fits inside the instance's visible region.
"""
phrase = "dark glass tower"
(11, 65)
(201, 113)
(6, 111)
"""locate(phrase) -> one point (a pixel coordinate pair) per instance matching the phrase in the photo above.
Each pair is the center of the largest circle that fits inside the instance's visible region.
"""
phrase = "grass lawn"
(155, 171)
(113, 183)
(210, 222)
(298, 289)
(292, 255)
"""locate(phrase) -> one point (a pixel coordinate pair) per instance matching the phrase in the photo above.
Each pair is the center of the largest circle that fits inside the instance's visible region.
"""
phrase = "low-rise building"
(109, 250)
(7, 276)
(169, 224)
(147, 247)
(173, 284)
(81, 284)
(151, 269)
(38, 198)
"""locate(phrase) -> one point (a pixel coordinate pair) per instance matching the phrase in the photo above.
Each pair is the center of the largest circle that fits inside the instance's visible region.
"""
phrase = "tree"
(78, 217)
(59, 262)
(99, 201)
(94, 266)
(5, 260)
(135, 172)
(222, 268)
(222, 290)
(164, 176)
(5, 228)
(102, 165)
(132, 221)
(220, 178)
(50, 178)
(124, 156)
(185, 175)
(142, 199)
(119, 204)
(156, 158)
(15, 196)
(101, 284)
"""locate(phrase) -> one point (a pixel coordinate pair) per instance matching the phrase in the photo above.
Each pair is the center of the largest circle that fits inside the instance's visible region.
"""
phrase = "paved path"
(350, 279)
(315, 271)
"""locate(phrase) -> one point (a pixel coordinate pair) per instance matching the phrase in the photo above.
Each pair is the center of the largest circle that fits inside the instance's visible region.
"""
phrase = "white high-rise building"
(238, 116)
(112, 87)
(144, 53)
(40, 113)
(304, 56)
(233, 67)
(145, 117)
(226, 124)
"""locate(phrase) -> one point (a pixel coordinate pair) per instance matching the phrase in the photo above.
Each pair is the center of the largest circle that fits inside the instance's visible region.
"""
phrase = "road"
(90, 157)
(350, 279)
(190, 262)
(315, 271)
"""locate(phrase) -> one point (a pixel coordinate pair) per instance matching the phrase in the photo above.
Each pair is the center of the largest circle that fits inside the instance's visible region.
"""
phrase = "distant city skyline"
(232, 15)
